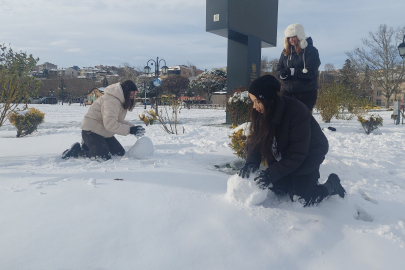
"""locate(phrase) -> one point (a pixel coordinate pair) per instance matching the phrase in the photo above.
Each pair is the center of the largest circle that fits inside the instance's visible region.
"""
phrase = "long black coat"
(300, 82)
(300, 141)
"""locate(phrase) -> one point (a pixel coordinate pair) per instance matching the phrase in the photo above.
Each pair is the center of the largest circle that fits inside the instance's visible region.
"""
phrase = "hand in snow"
(263, 180)
(138, 131)
(247, 169)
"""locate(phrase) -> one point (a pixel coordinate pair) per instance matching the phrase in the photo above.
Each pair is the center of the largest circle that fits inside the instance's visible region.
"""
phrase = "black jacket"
(300, 82)
(300, 141)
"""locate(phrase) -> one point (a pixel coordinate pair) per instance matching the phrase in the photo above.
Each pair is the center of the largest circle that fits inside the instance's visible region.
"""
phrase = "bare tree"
(329, 67)
(386, 68)
(268, 66)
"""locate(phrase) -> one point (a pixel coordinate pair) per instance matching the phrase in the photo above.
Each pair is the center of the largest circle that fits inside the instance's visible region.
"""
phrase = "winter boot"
(84, 146)
(333, 186)
(72, 152)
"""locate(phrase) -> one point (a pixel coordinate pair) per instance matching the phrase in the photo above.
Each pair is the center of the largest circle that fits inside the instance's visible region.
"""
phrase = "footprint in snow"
(362, 215)
(366, 197)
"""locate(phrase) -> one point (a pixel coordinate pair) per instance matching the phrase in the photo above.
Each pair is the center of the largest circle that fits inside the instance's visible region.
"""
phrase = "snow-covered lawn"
(171, 212)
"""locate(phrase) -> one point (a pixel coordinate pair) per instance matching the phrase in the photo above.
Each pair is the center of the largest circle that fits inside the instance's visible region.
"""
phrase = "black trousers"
(308, 98)
(99, 147)
(304, 188)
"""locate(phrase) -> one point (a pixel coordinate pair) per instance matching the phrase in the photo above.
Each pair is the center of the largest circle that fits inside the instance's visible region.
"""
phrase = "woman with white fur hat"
(298, 66)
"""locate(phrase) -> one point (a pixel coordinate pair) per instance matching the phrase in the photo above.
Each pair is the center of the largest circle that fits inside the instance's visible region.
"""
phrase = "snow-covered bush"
(238, 106)
(26, 122)
(372, 123)
(148, 117)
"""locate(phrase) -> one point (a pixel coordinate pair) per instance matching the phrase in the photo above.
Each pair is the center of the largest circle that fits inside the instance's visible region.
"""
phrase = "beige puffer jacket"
(106, 116)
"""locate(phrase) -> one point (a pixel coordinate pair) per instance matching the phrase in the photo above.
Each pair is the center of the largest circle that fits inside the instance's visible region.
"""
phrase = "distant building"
(45, 65)
(219, 98)
(94, 94)
(184, 71)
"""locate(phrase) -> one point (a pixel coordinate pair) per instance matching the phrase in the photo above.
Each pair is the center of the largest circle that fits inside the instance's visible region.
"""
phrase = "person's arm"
(297, 150)
(254, 157)
(281, 69)
(127, 123)
(312, 63)
(110, 110)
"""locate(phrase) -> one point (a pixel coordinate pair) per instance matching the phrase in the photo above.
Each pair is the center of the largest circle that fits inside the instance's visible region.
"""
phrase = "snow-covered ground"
(170, 211)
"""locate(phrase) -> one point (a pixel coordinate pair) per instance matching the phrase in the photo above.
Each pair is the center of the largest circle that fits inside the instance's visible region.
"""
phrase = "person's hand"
(247, 170)
(138, 131)
(263, 180)
(284, 74)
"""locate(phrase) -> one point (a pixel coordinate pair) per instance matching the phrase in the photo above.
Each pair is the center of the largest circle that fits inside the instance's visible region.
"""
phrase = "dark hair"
(263, 133)
(127, 87)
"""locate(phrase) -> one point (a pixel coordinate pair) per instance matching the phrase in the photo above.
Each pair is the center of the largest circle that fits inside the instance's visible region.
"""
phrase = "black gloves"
(263, 180)
(286, 73)
(247, 169)
(138, 131)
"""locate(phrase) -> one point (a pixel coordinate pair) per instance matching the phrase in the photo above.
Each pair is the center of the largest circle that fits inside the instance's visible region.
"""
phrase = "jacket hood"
(309, 41)
(115, 90)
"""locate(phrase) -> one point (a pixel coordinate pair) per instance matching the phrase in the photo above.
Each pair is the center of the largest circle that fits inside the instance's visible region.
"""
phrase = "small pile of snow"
(143, 148)
(93, 182)
(245, 190)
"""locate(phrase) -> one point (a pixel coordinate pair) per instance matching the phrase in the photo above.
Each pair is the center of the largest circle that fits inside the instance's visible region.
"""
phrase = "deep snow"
(170, 211)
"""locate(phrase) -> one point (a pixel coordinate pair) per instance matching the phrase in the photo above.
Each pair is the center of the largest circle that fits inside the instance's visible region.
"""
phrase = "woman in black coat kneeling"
(284, 132)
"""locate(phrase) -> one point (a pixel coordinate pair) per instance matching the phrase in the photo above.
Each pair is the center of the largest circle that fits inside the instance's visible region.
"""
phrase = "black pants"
(99, 147)
(304, 188)
(308, 98)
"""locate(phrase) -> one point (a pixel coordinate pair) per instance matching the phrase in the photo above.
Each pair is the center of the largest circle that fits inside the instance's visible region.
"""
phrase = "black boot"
(72, 152)
(333, 186)
(84, 146)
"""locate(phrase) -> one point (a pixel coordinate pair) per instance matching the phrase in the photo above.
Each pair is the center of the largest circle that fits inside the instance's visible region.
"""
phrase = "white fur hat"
(298, 30)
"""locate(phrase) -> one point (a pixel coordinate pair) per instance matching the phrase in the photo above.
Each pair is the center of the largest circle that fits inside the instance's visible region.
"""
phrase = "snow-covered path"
(170, 212)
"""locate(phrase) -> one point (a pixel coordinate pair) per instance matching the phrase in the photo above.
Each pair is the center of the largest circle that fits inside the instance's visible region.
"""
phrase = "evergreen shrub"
(26, 122)
(238, 143)
(238, 106)
(371, 124)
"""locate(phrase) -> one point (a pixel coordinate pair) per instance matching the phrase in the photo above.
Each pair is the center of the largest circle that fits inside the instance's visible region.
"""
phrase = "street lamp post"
(164, 72)
(144, 89)
(401, 48)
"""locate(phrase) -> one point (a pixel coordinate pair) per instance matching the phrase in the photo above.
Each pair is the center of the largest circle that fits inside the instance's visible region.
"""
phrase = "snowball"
(143, 148)
(245, 190)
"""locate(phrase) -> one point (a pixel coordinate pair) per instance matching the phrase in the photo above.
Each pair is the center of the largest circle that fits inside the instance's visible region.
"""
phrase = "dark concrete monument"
(249, 26)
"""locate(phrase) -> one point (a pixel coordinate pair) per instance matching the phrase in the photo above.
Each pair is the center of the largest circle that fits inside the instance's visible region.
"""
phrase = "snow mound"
(143, 148)
(245, 190)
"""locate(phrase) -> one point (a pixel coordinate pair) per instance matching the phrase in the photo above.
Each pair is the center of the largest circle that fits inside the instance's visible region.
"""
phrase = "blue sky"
(93, 32)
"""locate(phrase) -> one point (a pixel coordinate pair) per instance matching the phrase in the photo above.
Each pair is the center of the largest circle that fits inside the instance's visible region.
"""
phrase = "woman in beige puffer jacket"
(105, 118)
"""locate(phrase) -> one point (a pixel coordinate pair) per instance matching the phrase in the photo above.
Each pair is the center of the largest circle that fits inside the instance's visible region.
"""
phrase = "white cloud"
(74, 50)
(62, 42)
